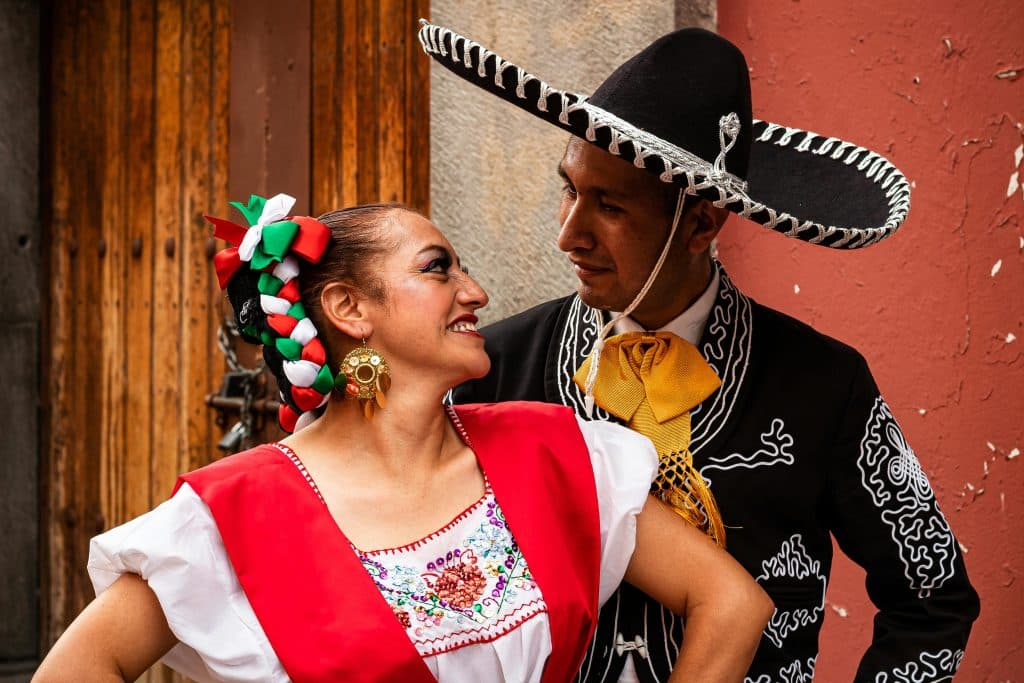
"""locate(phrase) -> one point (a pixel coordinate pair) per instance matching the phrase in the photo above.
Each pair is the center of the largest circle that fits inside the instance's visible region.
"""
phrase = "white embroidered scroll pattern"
(892, 476)
(797, 671)
(929, 667)
(794, 563)
(776, 450)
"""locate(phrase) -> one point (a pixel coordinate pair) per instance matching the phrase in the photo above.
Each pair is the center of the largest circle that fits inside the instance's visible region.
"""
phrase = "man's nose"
(575, 233)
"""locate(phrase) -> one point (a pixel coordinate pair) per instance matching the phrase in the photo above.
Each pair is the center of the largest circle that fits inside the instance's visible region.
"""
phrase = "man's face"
(615, 219)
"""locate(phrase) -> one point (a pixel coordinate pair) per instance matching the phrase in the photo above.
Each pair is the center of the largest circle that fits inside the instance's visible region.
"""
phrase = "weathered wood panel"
(270, 99)
(19, 337)
(136, 124)
(143, 97)
(371, 89)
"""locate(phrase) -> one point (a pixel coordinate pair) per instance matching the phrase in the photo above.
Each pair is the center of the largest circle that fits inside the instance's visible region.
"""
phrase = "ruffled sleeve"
(625, 463)
(177, 549)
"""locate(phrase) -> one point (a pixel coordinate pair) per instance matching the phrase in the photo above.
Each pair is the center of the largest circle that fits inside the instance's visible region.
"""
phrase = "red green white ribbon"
(275, 244)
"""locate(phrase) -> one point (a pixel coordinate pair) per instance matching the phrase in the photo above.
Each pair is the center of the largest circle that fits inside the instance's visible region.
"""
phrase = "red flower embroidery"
(403, 616)
(460, 585)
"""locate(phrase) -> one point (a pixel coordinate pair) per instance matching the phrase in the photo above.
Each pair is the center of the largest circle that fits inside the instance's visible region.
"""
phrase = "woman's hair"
(357, 240)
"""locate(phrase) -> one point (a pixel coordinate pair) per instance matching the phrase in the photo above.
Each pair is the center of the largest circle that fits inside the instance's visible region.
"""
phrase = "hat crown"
(679, 87)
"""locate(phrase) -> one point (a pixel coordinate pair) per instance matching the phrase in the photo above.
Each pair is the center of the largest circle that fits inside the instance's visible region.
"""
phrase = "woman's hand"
(116, 638)
(724, 608)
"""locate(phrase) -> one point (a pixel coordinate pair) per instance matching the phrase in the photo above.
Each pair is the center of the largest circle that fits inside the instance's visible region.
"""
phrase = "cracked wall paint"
(937, 309)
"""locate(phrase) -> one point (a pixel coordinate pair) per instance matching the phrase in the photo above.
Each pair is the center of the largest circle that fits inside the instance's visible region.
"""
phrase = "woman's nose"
(472, 294)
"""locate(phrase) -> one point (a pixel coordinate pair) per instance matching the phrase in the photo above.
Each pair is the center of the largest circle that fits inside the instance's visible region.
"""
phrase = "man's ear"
(707, 220)
(343, 309)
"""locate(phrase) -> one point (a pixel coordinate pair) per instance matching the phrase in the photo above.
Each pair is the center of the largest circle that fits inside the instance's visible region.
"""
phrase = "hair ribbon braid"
(273, 245)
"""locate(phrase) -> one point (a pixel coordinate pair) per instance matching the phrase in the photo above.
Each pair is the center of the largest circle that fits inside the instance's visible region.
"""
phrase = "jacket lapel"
(726, 345)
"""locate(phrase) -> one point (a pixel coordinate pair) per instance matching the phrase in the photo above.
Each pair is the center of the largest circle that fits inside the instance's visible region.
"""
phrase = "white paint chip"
(839, 609)
(996, 266)
(1010, 338)
(991, 446)
(922, 411)
(1020, 241)
(1013, 454)
(963, 548)
(796, 289)
(1018, 155)
(1014, 184)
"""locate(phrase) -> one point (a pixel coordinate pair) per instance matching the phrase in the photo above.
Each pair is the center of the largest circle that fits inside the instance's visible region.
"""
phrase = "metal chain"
(227, 332)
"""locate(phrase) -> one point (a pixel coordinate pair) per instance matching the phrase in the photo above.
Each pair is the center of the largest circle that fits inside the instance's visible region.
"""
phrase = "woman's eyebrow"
(434, 248)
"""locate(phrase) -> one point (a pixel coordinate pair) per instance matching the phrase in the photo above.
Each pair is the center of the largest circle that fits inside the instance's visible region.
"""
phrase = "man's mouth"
(584, 270)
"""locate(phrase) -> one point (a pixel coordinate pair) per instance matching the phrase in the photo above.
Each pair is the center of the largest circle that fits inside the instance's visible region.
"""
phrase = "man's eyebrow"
(602, 191)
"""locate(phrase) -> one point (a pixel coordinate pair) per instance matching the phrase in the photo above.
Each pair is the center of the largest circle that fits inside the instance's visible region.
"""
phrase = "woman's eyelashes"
(441, 264)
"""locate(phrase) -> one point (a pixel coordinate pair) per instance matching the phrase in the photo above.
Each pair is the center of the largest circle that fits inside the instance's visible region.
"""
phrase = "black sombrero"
(681, 109)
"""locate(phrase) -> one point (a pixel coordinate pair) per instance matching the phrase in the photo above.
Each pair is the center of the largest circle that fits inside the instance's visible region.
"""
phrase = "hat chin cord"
(595, 353)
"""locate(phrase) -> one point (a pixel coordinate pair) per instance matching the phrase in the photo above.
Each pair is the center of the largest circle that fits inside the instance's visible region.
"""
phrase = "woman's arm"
(724, 608)
(116, 638)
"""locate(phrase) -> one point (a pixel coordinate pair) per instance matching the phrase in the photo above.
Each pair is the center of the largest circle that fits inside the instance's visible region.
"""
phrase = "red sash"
(321, 611)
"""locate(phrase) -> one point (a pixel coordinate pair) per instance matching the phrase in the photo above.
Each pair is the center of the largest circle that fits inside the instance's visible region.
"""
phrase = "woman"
(491, 532)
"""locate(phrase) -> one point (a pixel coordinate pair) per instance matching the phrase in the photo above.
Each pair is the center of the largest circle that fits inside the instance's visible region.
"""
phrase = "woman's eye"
(610, 208)
(438, 265)
(569, 190)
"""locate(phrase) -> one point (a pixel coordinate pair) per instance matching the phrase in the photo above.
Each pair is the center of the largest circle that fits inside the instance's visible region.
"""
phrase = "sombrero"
(681, 110)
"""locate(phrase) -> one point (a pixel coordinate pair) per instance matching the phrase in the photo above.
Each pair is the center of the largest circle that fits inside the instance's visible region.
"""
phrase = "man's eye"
(610, 208)
(569, 190)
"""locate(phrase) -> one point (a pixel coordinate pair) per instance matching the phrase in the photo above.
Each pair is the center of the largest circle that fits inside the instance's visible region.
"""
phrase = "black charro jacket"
(798, 447)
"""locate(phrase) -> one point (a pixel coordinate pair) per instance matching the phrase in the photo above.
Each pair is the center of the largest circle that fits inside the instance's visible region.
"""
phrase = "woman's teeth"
(463, 327)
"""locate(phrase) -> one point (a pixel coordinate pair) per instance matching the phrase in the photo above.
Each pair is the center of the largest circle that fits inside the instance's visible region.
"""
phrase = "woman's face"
(426, 323)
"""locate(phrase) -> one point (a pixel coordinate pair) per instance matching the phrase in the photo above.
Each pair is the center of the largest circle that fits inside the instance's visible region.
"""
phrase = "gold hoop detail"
(368, 376)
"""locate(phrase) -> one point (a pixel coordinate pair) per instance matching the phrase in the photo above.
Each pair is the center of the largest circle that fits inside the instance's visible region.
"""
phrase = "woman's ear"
(344, 310)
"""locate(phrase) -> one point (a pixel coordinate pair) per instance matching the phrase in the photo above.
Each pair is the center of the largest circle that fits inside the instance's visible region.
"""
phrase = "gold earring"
(367, 377)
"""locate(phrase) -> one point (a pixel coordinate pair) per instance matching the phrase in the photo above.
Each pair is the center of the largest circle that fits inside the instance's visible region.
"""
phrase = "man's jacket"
(798, 447)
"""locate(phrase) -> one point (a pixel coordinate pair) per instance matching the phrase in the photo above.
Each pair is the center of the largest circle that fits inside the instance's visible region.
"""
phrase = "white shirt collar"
(690, 323)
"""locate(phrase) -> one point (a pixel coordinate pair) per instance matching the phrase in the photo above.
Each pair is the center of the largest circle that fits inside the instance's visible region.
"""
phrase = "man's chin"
(596, 298)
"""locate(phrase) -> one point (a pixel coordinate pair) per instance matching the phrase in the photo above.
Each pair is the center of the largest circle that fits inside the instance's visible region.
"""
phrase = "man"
(788, 433)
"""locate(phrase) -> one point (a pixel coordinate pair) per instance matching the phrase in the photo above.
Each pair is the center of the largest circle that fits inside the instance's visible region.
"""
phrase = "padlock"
(232, 439)
(235, 384)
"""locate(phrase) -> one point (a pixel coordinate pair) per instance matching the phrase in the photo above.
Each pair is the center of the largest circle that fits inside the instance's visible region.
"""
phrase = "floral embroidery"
(465, 584)
(460, 585)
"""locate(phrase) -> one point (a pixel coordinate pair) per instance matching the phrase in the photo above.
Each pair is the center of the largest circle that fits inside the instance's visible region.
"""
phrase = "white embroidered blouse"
(464, 593)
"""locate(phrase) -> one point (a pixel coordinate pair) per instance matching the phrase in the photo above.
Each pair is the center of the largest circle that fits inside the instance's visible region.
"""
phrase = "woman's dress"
(465, 595)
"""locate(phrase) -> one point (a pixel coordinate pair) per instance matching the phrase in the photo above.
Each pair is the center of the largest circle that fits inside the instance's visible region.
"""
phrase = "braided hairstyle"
(277, 308)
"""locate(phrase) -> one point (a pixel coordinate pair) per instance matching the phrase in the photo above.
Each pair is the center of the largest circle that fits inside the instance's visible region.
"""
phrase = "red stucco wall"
(938, 310)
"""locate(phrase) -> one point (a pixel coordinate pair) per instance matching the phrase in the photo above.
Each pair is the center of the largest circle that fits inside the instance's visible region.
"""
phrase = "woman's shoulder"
(246, 464)
(527, 411)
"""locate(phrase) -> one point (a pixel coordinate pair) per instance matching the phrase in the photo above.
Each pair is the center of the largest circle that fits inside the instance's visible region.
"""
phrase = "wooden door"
(156, 112)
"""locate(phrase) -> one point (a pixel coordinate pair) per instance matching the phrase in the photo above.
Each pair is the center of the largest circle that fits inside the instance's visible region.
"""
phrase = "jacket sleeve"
(885, 517)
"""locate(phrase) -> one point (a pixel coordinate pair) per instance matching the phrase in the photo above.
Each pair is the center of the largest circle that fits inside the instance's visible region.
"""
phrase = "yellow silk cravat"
(652, 381)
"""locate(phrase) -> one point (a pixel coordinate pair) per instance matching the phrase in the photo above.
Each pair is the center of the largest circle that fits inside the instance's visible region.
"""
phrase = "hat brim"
(822, 190)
